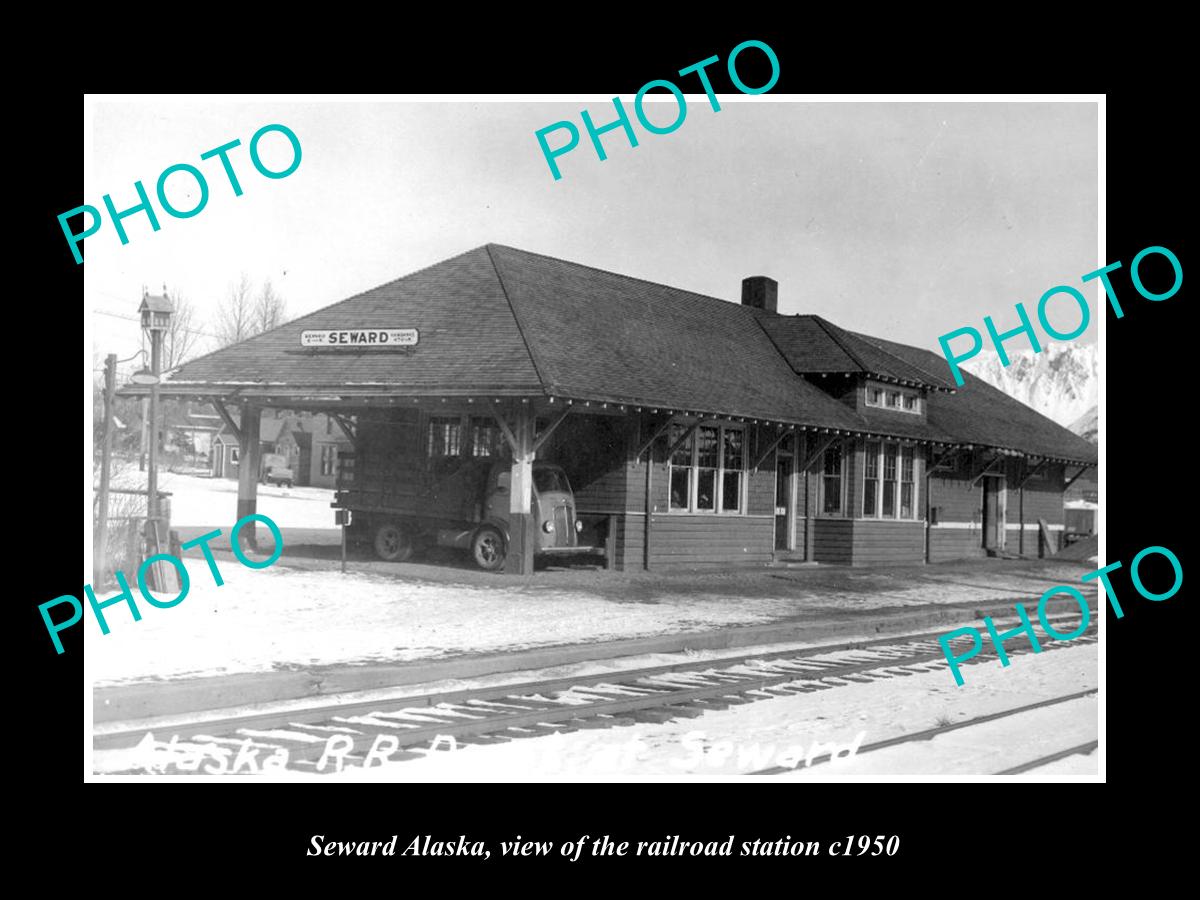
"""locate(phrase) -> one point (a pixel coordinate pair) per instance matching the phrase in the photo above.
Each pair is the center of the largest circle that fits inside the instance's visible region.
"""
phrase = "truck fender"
(499, 524)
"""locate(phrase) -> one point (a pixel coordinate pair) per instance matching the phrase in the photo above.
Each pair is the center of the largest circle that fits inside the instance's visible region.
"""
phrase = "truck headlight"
(578, 525)
(548, 527)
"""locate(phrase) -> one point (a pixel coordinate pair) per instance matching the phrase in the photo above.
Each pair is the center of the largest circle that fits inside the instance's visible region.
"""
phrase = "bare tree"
(235, 315)
(270, 309)
(181, 336)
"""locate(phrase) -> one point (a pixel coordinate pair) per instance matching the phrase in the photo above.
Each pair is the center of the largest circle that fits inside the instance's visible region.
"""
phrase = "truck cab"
(552, 508)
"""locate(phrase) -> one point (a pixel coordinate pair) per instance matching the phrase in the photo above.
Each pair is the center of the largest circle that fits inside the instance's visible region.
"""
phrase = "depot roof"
(813, 344)
(497, 321)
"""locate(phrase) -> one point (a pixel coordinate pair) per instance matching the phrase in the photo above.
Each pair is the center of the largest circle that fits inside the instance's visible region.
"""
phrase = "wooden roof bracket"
(683, 438)
(986, 469)
(941, 461)
(545, 435)
(219, 405)
(661, 430)
(508, 435)
(1032, 472)
(347, 428)
(816, 454)
(775, 443)
(1075, 477)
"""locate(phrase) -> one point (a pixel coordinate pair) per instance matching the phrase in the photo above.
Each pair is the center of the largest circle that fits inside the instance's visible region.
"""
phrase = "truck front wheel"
(487, 548)
(392, 543)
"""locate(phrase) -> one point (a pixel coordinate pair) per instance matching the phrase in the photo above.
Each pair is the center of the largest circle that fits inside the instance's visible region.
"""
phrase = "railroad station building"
(694, 431)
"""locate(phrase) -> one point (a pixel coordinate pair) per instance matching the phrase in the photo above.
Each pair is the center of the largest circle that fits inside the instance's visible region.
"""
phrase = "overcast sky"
(902, 220)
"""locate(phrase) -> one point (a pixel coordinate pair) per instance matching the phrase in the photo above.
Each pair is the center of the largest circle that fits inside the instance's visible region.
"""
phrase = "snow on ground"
(213, 501)
(756, 735)
(261, 620)
(303, 612)
(279, 618)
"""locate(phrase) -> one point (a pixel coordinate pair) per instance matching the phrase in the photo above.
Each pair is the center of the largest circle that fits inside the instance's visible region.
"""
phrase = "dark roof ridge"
(833, 331)
(533, 358)
(826, 327)
(872, 340)
(658, 284)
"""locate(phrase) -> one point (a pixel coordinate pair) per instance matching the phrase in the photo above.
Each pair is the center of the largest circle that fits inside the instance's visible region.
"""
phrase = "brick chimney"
(761, 292)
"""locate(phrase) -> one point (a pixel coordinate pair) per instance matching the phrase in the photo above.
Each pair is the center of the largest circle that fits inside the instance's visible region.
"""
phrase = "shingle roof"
(157, 303)
(500, 321)
(978, 413)
(813, 344)
(601, 336)
(468, 339)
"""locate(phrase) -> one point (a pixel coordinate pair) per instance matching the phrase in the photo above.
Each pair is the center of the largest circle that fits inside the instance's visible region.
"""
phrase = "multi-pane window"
(328, 459)
(681, 467)
(831, 480)
(889, 469)
(708, 453)
(707, 469)
(731, 483)
(889, 481)
(901, 401)
(445, 436)
(907, 481)
(484, 436)
(871, 479)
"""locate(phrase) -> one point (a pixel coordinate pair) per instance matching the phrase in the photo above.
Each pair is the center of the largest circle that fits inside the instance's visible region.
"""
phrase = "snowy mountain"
(1060, 382)
(1087, 426)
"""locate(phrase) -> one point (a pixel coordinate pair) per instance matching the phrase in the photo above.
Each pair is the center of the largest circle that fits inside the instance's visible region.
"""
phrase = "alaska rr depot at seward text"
(694, 431)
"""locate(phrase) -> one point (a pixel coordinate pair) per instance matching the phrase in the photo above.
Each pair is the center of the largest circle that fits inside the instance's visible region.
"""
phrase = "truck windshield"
(550, 481)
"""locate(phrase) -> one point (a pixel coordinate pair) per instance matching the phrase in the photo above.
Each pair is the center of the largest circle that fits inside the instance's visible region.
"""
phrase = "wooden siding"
(864, 542)
(955, 543)
(956, 499)
(833, 540)
(631, 534)
(877, 542)
(958, 504)
(710, 540)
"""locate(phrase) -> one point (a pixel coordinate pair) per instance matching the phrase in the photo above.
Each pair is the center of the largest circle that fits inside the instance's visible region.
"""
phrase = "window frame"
(329, 457)
(897, 482)
(444, 421)
(904, 395)
(488, 426)
(822, 479)
(874, 493)
(692, 448)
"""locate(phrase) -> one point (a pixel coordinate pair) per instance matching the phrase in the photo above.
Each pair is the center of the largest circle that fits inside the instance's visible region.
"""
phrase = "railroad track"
(656, 694)
(930, 733)
(1083, 749)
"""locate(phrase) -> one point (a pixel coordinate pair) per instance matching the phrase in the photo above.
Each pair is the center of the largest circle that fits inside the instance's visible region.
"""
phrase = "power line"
(105, 312)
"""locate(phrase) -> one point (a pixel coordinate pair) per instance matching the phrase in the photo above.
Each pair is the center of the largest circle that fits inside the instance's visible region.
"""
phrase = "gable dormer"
(853, 369)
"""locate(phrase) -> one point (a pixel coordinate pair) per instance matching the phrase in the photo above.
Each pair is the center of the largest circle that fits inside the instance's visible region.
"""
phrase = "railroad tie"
(655, 715)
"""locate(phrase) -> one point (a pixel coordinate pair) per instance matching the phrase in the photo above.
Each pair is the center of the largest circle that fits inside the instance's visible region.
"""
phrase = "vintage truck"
(400, 510)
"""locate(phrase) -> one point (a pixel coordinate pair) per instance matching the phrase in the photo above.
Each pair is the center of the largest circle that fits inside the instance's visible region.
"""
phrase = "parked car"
(280, 475)
(275, 470)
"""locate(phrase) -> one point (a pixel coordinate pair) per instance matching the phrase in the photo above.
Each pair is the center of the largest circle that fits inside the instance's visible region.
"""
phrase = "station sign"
(360, 338)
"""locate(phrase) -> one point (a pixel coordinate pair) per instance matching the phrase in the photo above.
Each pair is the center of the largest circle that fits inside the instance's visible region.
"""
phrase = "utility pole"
(156, 316)
(152, 474)
(101, 548)
(142, 448)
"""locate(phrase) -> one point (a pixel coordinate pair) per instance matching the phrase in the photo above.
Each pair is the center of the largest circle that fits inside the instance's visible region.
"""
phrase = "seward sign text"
(358, 338)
